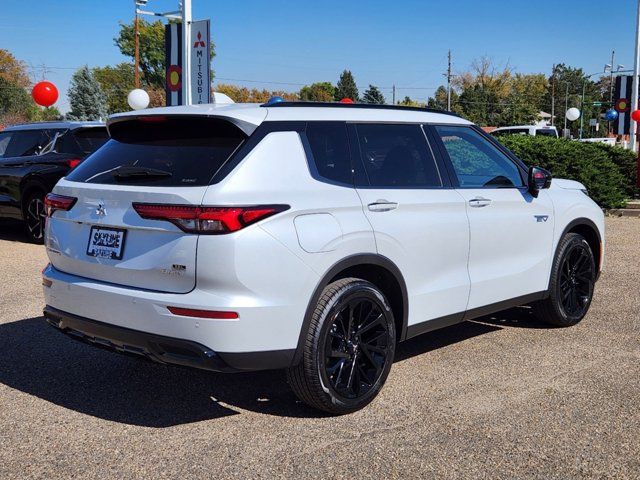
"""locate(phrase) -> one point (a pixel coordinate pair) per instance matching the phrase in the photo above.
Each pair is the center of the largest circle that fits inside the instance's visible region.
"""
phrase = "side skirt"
(442, 322)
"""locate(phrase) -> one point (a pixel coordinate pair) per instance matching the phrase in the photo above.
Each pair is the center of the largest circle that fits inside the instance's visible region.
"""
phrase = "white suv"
(311, 237)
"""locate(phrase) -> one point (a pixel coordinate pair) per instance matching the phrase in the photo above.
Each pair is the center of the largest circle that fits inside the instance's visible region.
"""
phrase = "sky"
(281, 44)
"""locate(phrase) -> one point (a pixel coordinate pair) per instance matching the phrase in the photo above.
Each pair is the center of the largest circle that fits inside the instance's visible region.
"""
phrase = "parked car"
(532, 130)
(33, 157)
(309, 237)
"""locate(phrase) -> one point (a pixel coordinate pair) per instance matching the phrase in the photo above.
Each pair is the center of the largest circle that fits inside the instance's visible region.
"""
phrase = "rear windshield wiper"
(128, 172)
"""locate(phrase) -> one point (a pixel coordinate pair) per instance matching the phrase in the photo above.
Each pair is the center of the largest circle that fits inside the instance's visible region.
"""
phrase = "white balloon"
(573, 114)
(138, 99)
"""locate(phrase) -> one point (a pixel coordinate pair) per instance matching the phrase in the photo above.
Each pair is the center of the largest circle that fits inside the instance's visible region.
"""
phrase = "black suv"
(33, 157)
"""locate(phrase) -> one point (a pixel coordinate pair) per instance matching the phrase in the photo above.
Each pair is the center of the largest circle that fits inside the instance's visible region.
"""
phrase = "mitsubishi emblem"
(100, 210)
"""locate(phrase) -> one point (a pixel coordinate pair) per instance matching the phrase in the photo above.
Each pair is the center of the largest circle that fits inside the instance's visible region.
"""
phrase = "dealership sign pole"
(636, 74)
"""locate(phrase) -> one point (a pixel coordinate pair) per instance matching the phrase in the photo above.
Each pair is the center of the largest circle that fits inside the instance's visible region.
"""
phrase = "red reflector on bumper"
(190, 312)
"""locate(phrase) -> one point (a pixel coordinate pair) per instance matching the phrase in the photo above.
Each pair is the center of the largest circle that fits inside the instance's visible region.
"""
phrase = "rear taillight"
(53, 202)
(74, 162)
(207, 220)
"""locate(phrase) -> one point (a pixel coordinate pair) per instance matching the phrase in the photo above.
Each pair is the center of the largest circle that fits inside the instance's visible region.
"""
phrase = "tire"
(343, 369)
(34, 215)
(573, 277)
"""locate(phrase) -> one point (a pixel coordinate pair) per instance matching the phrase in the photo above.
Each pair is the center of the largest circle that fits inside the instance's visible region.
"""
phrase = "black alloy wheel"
(35, 216)
(576, 280)
(573, 277)
(356, 347)
(348, 348)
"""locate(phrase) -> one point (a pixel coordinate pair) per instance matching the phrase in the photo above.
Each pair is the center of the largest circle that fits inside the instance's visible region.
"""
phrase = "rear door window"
(177, 151)
(88, 140)
(330, 149)
(397, 156)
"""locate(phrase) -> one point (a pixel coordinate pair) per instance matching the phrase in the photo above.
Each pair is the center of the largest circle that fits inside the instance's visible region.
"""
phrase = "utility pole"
(634, 91)
(136, 57)
(553, 96)
(394, 94)
(449, 82)
(566, 107)
(613, 58)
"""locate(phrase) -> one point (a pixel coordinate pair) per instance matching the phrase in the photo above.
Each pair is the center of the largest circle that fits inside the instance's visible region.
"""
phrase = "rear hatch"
(163, 160)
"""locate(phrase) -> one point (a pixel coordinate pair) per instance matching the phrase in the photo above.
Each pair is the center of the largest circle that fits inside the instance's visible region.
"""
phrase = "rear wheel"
(572, 282)
(34, 216)
(348, 349)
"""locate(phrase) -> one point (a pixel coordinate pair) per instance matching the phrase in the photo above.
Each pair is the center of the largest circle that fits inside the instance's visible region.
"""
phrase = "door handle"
(382, 206)
(479, 202)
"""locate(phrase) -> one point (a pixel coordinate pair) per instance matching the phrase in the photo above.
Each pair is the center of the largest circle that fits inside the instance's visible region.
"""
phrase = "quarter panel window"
(330, 149)
(5, 138)
(476, 161)
(397, 156)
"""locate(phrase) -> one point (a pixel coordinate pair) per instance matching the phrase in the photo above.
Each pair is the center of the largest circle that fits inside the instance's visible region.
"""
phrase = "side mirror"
(539, 178)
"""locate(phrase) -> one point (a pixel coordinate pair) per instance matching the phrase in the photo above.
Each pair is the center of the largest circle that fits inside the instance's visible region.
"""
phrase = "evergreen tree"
(373, 95)
(346, 87)
(86, 98)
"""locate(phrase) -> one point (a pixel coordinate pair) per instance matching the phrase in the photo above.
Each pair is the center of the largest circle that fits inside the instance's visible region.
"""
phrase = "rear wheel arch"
(374, 268)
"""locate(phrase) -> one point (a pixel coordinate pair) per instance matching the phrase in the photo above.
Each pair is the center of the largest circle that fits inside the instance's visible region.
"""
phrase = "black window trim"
(355, 140)
(522, 168)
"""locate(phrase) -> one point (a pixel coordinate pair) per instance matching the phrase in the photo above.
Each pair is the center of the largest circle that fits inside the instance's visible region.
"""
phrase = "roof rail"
(357, 105)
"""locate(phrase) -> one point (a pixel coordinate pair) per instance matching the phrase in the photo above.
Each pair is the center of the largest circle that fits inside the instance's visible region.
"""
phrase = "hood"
(567, 184)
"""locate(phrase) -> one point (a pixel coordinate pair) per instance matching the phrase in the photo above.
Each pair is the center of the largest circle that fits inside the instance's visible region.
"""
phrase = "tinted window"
(397, 156)
(330, 148)
(175, 151)
(512, 131)
(24, 143)
(476, 161)
(88, 140)
(5, 138)
(547, 132)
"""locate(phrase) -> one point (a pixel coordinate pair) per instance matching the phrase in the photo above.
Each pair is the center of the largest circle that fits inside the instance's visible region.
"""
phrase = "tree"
(318, 92)
(152, 50)
(373, 95)
(439, 100)
(14, 101)
(86, 98)
(346, 87)
(245, 95)
(13, 70)
(408, 102)
(116, 82)
(571, 80)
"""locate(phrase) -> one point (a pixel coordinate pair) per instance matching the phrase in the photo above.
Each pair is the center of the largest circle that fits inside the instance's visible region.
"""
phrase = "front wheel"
(348, 348)
(573, 277)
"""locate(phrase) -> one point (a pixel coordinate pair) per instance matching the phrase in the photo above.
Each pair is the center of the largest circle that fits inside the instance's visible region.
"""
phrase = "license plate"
(106, 242)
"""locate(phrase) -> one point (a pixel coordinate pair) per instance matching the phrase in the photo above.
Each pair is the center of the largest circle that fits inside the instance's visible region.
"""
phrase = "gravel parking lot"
(503, 397)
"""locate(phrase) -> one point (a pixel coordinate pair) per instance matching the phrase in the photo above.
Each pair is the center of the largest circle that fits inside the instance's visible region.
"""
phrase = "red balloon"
(635, 115)
(346, 100)
(44, 93)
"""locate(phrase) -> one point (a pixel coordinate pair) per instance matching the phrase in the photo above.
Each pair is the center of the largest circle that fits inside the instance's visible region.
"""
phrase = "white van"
(532, 130)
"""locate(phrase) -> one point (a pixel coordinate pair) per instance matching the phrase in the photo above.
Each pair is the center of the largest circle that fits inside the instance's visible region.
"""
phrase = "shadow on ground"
(13, 231)
(40, 361)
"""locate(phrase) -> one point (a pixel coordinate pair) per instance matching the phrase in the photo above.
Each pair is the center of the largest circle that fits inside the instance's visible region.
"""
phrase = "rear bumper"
(163, 349)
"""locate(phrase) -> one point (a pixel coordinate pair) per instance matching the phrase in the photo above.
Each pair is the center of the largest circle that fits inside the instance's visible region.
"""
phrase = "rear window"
(172, 151)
